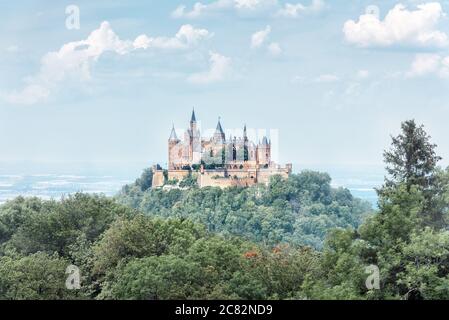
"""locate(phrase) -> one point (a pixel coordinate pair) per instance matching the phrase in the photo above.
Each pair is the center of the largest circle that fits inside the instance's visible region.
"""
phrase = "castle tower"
(194, 141)
(219, 135)
(173, 153)
(193, 121)
(264, 152)
(245, 145)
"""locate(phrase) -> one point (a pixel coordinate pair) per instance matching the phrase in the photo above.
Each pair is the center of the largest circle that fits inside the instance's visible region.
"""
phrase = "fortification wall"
(158, 178)
(224, 178)
(234, 178)
(214, 179)
(264, 175)
(178, 174)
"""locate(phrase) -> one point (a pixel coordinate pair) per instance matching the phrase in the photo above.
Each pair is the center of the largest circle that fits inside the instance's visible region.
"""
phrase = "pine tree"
(412, 161)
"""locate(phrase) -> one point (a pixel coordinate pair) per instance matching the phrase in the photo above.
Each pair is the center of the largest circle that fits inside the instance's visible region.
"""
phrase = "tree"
(53, 226)
(156, 278)
(412, 159)
(35, 277)
(141, 237)
(146, 180)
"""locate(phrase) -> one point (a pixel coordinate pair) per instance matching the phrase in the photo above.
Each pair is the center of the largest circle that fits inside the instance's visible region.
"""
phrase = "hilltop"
(298, 210)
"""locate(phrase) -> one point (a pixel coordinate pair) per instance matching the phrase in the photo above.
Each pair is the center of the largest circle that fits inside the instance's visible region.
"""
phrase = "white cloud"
(425, 64)
(74, 59)
(270, 7)
(200, 9)
(327, 78)
(362, 74)
(29, 95)
(220, 67)
(187, 36)
(254, 4)
(429, 64)
(323, 78)
(258, 38)
(295, 10)
(274, 49)
(400, 27)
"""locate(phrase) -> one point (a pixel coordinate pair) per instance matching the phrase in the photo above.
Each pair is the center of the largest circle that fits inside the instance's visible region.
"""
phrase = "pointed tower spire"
(219, 127)
(245, 145)
(173, 136)
(265, 141)
(219, 134)
(193, 119)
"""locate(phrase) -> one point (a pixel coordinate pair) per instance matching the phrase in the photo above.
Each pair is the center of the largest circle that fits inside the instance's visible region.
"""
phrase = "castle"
(217, 161)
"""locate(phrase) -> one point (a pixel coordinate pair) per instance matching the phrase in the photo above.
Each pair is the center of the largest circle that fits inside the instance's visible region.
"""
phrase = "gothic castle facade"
(218, 161)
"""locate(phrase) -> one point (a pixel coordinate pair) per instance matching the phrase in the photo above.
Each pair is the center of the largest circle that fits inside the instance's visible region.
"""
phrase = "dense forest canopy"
(298, 211)
(293, 239)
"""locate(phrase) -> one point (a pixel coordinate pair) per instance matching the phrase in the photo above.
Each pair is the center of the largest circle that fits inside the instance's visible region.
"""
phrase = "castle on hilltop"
(218, 161)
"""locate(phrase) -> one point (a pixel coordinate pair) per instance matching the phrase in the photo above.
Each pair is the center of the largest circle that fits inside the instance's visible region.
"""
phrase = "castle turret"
(173, 148)
(194, 148)
(264, 152)
(193, 121)
(173, 136)
(245, 145)
(219, 135)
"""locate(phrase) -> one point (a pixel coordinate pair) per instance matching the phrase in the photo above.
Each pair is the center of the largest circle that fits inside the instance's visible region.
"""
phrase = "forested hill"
(297, 211)
(190, 244)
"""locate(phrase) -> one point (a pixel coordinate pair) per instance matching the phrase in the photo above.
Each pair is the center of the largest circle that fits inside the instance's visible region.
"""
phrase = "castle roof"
(265, 141)
(193, 116)
(219, 127)
(219, 134)
(173, 136)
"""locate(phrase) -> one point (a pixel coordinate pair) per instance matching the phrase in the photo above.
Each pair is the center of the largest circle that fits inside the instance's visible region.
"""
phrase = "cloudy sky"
(334, 79)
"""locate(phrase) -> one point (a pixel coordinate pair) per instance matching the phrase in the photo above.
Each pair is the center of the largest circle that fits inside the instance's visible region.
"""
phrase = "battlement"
(221, 177)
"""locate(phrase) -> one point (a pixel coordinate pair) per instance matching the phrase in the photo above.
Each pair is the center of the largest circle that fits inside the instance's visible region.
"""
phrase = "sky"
(334, 79)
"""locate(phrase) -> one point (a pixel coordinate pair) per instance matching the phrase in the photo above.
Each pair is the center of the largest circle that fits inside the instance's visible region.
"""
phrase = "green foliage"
(129, 256)
(299, 210)
(407, 239)
(142, 236)
(412, 159)
(239, 243)
(146, 180)
(189, 182)
(34, 277)
(42, 226)
(157, 278)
